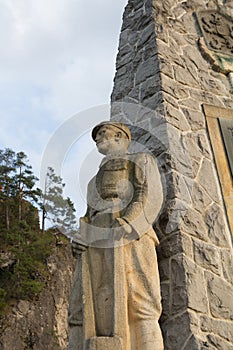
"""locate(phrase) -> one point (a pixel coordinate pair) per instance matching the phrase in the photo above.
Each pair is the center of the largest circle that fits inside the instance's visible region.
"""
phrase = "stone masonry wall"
(161, 82)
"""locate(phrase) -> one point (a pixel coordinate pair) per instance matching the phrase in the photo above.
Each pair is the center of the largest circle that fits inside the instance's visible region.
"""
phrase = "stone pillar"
(162, 81)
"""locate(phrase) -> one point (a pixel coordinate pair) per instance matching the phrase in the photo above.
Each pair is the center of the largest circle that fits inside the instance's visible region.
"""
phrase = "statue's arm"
(148, 195)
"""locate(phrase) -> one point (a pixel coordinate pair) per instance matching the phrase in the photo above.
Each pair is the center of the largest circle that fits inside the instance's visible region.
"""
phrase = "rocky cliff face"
(42, 324)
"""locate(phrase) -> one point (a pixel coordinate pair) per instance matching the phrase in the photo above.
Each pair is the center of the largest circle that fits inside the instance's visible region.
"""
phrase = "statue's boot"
(148, 336)
(76, 338)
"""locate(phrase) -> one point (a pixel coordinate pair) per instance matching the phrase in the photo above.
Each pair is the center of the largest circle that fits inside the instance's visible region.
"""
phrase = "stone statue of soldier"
(124, 199)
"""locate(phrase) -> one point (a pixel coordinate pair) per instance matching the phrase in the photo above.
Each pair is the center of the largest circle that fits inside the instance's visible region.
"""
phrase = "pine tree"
(7, 171)
(58, 209)
(69, 221)
(24, 181)
(17, 185)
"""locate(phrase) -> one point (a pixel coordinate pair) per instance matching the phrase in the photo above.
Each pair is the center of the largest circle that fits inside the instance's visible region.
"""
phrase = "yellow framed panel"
(213, 115)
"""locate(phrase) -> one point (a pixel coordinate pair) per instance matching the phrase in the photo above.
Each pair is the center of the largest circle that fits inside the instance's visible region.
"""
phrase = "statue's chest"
(113, 178)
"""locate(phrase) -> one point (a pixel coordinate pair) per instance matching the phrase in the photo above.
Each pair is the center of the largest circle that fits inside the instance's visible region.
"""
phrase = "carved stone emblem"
(216, 44)
(217, 30)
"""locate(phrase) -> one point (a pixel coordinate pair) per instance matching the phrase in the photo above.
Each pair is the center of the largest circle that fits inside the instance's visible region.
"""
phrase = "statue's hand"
(77, 249)
(121, 228)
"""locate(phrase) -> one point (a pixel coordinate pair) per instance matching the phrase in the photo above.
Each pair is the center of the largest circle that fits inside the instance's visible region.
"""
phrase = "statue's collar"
(112, 157)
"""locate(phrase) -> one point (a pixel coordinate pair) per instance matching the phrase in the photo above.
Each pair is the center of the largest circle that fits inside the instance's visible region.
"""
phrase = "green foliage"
(24, 248)
(26, 278)
(17, 188)
(3, 297)
(18, 196)
(58, 209)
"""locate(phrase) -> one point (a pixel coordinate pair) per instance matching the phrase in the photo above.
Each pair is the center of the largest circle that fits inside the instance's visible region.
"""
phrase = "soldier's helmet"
(120, 126)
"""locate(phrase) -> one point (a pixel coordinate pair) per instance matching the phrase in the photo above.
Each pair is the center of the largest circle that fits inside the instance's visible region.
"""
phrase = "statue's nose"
(98, 138)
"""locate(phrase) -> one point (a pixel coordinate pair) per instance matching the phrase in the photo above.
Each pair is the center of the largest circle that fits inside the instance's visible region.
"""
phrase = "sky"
(57, 66)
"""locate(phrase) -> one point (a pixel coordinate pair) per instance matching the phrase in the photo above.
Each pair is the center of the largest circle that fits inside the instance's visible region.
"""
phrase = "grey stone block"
(207, 82)
(122, 87)
(161, 31)
(228, 102)
(150, 50)
(203, 144)
(176, 331)
(186, 23)
(227, 265)
(186, 76)
(183, 40)
(124, 60)
(203, 96)
(191, 142)
(164, 269)
(200, 199)
(150, 87)
(219, 343)
(186, 279)
(171, 218)
(207, 179)
(193, 57)
(128, 37)
(124, 37)
(194, 224)
(178, 157)
(170, 54)
(146, 34)
(178, 187)
(154, 102)
(165, 292)
(216, 226)
(174, 88)
(141, 20)
(134, 93)
(147, 69)
(139, 4)
(171, 100)
(222, 328)
(195, 118)
(131, 17)
(207, 256)
(165, 67)
(176, 118)
(220, 297)
(194, 344)
(175, 244)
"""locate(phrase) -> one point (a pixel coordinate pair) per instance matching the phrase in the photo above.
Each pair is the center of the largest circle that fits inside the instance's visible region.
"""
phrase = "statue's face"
(109, 139)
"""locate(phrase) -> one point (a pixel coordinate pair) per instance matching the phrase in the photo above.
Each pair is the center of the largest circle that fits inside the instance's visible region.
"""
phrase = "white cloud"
(57, 58)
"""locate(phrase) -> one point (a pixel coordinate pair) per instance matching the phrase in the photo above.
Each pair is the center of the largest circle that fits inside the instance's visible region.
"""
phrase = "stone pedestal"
(106, 343)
